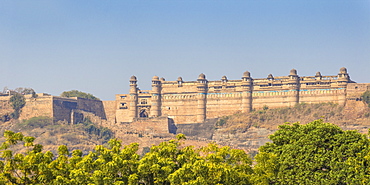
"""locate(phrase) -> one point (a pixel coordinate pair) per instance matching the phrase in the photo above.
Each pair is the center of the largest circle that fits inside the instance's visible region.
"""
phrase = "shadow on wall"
(171, 126)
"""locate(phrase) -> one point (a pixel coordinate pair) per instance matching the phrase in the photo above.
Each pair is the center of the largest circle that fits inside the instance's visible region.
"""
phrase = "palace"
(188, 102)
(195, 101)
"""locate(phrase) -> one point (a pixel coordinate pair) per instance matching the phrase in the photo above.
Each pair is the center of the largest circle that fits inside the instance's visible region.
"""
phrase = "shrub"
(366, 97)
(76, 93)
(38, 122)
(17, 101)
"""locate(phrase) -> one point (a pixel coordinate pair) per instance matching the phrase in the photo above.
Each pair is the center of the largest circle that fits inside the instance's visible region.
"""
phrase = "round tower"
(247, 86)
(179, 81)
(293, 87)
(343, 80)
(156, 97)
(343, 77)
(202, 95)
(133, 98)
(223, 79)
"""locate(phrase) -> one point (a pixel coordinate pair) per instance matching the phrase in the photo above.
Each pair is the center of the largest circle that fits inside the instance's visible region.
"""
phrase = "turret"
(247, 86)
(318, 76)
(343, 80)
(202, 95)
(270, 77)
(343, 77)
(179, 81)
(224, 79)
(293, 87)
(156, 97)
(133, 98)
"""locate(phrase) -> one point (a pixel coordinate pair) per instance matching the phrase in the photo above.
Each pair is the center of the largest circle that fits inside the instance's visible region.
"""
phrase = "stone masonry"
(187, 102)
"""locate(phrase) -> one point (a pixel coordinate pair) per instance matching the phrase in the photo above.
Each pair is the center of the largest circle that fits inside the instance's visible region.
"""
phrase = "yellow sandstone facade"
(186, 102)
(196, 101)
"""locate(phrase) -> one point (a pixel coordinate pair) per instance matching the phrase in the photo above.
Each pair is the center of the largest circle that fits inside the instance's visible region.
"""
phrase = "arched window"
(143, 113)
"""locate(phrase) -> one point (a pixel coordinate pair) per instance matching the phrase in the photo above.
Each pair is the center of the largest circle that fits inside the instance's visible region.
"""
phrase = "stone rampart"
(95, 106)
(194, 101)
(62, 108)
(110, 111)
(40, 106)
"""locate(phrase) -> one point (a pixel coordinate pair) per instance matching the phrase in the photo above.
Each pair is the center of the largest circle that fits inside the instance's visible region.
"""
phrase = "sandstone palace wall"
(195, 101)
(183, 102)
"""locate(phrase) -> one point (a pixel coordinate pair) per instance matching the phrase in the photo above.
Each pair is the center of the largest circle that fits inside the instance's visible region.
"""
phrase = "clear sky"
(95, 46)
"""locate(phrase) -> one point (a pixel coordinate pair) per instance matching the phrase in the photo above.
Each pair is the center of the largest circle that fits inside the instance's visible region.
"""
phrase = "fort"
(194, 102)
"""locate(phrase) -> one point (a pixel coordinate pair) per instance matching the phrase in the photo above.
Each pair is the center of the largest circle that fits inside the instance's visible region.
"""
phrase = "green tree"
(28, 168)
(23, 90)
(76, 93)
(17, 101)
(366, 97)
(171, 163)
(213, 165)
(315, 153)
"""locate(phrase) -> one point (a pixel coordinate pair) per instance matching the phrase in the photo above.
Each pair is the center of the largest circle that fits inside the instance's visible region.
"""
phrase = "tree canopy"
(17, 101)
(366, 97)
(314, 153)
(167, 163)
(76, 93)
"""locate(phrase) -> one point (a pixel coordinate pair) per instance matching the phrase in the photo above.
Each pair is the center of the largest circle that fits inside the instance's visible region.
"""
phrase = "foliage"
(76, 93)
(24, 90)
(100, 131)
(17, 101)
(222, 121)
(51, 134)
(366, 97)
(5, 118)
(315, 153)
(166, 163)
(37, 122)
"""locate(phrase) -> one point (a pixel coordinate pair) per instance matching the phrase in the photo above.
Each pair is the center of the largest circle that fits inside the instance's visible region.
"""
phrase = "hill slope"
(251, 130)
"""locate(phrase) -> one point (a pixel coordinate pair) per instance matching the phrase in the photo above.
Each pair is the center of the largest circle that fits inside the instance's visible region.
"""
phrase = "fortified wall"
(188, 102)
(195, 101)
(71, 110)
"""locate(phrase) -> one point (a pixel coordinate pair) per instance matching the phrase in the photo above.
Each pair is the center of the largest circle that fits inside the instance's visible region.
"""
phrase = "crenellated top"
(271, 82)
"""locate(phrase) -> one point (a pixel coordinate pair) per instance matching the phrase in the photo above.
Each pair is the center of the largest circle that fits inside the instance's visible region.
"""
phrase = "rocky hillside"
(245, 131)
(251, 130)
(84, 136)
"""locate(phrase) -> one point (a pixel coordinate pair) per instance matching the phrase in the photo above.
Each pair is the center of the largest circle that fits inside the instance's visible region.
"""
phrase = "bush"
(102, 132)
(366, 97)
(38, 122)
(17, 101)
(222, 121)
(76, 93)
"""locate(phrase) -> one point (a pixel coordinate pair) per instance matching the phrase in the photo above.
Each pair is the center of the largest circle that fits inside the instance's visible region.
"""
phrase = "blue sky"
(95, 46)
